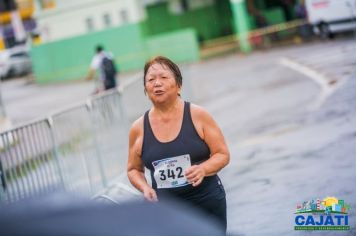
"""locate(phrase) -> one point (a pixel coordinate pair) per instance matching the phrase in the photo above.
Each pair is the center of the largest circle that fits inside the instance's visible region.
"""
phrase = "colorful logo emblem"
(327, 214)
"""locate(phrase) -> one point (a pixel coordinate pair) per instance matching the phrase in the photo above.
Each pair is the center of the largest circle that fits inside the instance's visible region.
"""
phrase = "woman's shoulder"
(198, 111)
(137, 127)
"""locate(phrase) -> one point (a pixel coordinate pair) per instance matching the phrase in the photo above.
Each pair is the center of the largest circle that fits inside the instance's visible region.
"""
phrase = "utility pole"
(242, 27)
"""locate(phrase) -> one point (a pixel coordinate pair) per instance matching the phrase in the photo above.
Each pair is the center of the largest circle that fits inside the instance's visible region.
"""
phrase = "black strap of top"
(186, 128)
(148, 133)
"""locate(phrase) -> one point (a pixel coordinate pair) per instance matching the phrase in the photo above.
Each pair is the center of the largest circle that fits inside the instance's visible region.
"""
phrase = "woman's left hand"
(195, 174)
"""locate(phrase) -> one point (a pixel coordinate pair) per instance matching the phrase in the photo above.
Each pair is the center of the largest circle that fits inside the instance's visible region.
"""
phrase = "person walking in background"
(305, 30)
(180, 144)
(103, 62)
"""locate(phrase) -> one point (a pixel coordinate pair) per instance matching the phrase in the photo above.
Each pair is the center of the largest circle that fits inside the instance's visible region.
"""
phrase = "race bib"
(169, 172)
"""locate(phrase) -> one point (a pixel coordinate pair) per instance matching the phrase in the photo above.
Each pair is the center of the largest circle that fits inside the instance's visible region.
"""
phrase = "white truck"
(331, 16)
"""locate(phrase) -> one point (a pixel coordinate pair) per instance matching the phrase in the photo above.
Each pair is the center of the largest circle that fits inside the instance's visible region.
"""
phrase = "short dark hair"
(99, 48)
(165, 62)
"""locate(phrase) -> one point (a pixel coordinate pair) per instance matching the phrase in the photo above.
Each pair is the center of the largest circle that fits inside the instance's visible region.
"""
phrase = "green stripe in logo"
(321, 227)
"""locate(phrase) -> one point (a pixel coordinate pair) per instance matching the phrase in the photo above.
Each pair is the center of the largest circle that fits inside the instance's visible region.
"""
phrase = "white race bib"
(169, 172)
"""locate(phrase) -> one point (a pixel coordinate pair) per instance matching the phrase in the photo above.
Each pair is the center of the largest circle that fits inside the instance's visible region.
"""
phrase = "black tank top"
(189, 142)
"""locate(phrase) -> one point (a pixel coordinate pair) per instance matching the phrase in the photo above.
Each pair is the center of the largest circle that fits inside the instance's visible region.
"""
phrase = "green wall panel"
(180, 46)
(209, 22)
(159, 20)
(274, 15)
(204, 20)
(70, 59)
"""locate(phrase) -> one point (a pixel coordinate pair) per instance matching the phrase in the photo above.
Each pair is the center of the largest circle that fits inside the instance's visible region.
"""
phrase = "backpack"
(108, 68)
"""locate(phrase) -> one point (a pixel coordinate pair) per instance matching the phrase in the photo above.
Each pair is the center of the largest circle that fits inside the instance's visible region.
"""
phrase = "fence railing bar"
(33, 157)
(6, 184)
(20, 166)
(13, 184)
(95, 142)
(26, 165)
(48, 160)
(62, 151)
(40, 152)
(55, 151)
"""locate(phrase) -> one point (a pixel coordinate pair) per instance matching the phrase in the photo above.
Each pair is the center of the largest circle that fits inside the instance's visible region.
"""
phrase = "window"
(89, 24)
(107, 20)
(124, 17)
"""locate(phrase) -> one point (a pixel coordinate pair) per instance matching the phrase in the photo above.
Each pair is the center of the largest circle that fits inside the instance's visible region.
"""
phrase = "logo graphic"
(328, 214)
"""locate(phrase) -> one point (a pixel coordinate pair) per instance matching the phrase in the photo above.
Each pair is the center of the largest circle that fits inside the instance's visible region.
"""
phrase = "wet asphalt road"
(288, 144)
(291, 130)
(291, 137)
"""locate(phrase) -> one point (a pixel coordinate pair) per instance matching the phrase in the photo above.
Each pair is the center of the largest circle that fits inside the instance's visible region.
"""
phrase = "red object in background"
(321, 4)
(256, 39)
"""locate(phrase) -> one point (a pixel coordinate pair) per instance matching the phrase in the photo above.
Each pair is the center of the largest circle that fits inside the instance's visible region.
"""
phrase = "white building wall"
(69, 18)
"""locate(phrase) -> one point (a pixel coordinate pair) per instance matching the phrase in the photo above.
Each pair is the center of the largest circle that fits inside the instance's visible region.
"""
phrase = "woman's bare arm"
(135, 168)
(209, 131)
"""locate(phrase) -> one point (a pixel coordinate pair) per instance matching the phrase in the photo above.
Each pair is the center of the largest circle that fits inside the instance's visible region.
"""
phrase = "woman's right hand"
(150, 194)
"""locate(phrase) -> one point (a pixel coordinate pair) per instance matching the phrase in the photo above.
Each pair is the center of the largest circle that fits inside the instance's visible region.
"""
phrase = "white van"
(331, 16)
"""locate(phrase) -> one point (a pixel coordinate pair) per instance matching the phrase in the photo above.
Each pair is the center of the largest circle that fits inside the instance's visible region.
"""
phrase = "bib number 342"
(169, 172)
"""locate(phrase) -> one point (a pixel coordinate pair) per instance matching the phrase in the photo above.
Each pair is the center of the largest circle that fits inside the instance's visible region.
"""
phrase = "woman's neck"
(167, 108)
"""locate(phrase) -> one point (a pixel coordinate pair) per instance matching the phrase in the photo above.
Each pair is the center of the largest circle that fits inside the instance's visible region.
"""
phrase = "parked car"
(331, 16)
(15, 61)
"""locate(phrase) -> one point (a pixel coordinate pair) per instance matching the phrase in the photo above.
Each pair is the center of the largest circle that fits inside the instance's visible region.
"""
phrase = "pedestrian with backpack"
(103, 62)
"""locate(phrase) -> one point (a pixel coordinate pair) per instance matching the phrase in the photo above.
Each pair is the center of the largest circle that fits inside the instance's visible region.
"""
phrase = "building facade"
(135, 30)
(73, 18)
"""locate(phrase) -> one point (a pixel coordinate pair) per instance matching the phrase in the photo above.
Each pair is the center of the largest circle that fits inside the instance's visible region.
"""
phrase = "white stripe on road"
(321, 80)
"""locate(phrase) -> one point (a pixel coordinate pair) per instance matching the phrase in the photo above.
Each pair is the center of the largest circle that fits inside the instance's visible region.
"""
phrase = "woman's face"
(161, 85)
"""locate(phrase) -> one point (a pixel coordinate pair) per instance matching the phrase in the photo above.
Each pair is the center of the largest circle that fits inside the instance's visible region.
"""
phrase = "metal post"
(123, 114)
(240, 18)
(2, 183)
(46, 160)
(2, 116)
(21, 159)
(12, 169)
(96, 143)
(25, 139)
(9, 186)
(55, 151)
(27, 166)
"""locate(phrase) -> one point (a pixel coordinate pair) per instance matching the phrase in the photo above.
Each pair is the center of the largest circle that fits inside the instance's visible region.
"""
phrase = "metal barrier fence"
(28, 161)
(77, 149)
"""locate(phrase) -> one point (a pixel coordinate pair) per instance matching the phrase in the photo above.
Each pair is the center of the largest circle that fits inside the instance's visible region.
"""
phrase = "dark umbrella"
(62, 214)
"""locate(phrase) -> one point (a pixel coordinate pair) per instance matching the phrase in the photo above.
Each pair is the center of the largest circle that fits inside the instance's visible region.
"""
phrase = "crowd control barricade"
(81, 149)
(28, 162)
(110, 127)
(78, 149)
